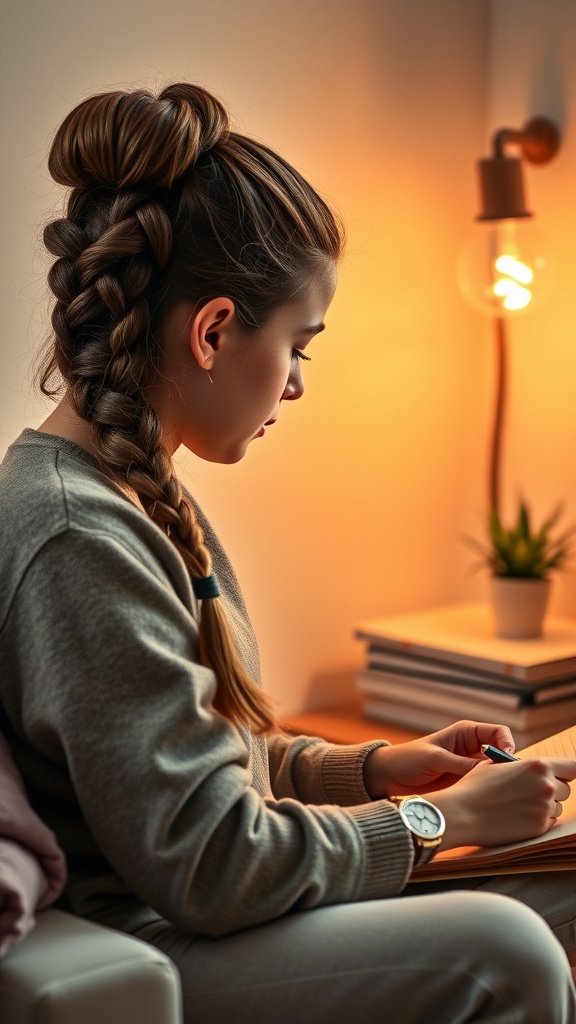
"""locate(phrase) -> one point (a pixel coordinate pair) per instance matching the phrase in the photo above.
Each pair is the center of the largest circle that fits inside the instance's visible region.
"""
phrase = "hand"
(433, 762)
(504, 803)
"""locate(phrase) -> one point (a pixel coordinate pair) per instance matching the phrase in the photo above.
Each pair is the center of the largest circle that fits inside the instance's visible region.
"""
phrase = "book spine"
(554, 669)
(450, 709)
(425, 720)
(400, 686)
(433, 697)
(482, 664)
(422, 668)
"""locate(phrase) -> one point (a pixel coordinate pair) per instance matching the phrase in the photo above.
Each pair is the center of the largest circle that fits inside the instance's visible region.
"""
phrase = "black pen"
(496, 755)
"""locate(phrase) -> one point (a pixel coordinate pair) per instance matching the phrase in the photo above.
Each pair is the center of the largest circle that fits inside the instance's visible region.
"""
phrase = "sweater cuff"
(389, 850)
(342, 773)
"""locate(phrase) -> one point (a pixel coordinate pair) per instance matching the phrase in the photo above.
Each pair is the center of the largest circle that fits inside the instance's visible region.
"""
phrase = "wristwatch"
(425, 822)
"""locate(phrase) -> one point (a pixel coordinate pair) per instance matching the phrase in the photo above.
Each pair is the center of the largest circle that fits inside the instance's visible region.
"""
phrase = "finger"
(497, 735)
(447, 763)
(504, 739)
(562, 790)
(466, 737)
(557, 810)
(564, 768)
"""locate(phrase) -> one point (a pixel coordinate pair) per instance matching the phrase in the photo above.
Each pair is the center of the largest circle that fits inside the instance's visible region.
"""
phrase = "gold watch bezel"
(423, 840)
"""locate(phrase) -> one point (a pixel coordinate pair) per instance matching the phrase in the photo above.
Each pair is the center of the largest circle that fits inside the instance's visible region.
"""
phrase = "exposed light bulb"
(503, 268)
(511, 267)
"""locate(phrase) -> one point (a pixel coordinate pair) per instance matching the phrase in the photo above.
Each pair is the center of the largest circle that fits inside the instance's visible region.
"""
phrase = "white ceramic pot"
(519, 606)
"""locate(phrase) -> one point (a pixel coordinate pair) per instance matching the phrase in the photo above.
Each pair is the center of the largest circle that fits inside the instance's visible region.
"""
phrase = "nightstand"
(344, 723)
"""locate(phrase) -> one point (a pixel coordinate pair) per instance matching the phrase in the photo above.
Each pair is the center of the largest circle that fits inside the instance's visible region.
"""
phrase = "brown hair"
(168, 204)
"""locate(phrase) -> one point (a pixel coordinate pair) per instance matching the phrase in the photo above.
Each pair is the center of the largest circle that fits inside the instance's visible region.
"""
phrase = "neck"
(64, 421)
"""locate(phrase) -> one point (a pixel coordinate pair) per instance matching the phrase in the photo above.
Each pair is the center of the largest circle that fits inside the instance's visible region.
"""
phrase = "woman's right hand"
(504, 803)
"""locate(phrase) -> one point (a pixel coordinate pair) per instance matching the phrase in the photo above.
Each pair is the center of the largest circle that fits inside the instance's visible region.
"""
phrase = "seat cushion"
(69, 970)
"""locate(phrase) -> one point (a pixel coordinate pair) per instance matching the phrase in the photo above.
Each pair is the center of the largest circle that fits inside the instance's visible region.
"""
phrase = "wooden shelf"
(344, 723)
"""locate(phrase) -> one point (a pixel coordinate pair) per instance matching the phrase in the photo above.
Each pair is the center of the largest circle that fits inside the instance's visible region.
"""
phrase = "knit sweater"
(163, 807)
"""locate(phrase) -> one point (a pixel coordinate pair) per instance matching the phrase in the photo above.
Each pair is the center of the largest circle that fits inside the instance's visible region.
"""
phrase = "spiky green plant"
(521, 552)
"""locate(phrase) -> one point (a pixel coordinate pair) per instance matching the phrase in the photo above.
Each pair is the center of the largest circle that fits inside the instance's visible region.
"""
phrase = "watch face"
(423, 818)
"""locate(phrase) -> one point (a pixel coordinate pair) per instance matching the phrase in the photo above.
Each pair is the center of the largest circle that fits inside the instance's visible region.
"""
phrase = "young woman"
(193, 267)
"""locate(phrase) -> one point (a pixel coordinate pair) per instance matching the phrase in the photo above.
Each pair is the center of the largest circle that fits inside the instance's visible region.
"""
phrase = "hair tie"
(205, 587)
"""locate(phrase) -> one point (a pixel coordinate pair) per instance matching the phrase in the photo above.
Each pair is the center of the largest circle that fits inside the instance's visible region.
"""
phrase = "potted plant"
(520, 559)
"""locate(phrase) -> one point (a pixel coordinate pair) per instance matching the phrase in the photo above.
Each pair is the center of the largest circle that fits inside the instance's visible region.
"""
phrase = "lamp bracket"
(501, 178)
(538, 140)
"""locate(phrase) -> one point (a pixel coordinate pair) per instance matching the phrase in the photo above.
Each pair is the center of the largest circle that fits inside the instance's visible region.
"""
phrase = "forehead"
(313, 299)
(322, 285)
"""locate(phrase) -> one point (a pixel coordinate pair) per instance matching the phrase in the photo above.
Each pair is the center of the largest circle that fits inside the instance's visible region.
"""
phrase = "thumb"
(455, 764)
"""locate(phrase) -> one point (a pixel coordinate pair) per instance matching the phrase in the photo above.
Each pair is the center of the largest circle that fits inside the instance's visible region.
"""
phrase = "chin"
(222, 456)
(230, 458)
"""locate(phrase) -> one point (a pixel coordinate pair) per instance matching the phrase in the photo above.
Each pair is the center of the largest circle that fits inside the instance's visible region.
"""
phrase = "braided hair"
(167, 204)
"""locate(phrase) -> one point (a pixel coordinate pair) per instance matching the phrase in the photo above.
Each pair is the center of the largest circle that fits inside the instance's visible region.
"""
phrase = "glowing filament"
(513, 295)
(515, 269)
(510, 288)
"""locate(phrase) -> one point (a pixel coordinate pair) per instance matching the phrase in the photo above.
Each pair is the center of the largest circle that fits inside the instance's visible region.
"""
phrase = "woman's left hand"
(433, 762)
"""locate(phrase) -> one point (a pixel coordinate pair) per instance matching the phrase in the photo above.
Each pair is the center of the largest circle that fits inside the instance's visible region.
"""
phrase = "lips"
(262, 430)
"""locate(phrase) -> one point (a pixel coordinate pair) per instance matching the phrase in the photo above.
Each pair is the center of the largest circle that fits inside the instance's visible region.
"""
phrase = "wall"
(532, 71)
(353, 505)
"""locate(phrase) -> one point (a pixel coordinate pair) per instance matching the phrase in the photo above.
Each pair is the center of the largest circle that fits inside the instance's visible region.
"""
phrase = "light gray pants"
(426, 957)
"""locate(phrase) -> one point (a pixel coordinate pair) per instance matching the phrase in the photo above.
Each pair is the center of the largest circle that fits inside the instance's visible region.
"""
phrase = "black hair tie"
(205, 587)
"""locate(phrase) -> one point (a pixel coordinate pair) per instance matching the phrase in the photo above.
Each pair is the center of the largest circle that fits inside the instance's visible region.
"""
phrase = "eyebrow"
(315, 329)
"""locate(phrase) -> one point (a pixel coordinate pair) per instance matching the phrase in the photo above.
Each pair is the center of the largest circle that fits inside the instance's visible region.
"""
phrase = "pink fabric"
(32, 865)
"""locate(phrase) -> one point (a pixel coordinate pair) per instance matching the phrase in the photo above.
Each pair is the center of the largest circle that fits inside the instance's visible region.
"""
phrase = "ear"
(208, 330)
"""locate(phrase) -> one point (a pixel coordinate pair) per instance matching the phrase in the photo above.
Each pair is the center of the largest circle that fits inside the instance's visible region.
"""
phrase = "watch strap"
(422, 854)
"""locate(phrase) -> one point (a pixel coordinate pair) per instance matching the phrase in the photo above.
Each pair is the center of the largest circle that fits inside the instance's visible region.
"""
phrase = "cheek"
(271, 379)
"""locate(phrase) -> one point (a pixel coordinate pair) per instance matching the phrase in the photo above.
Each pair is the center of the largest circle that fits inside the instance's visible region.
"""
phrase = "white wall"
(354, 504)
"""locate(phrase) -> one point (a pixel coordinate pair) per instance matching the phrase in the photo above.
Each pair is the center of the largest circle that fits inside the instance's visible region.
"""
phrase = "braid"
(167, 204)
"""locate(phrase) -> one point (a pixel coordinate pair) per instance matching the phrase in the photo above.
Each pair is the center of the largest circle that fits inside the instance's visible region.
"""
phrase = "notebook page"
(562, 744)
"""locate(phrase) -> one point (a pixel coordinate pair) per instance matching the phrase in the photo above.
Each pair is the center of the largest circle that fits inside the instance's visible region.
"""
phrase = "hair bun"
(126, 139)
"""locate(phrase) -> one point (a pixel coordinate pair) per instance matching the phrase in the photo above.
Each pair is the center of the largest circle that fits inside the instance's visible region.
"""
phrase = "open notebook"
(554, 851)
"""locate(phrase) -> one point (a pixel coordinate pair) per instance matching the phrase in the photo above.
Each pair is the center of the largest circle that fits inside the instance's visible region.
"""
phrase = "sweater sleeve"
(309, 769)
(114, 692)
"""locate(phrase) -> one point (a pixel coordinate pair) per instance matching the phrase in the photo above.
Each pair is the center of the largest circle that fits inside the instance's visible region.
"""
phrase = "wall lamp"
(503, 269)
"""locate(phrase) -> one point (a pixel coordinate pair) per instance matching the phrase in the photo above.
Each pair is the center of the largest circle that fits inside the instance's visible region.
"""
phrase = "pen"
(497, 755)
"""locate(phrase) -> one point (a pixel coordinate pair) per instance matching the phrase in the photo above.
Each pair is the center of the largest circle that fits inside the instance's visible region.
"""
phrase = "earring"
(208, 372)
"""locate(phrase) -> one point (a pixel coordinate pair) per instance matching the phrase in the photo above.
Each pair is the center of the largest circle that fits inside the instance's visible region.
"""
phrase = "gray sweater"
(162, 807)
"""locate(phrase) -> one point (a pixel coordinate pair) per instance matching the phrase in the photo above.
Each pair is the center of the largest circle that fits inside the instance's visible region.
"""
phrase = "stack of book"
(432, 668)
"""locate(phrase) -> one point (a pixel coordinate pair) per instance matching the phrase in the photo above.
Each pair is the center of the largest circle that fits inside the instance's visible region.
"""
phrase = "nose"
(294, 385)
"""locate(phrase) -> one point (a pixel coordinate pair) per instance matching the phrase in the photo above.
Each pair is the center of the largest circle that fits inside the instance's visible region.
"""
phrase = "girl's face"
(234, 380)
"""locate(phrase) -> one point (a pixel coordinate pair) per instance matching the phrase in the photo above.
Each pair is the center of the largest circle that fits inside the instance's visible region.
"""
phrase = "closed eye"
(297, 354)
